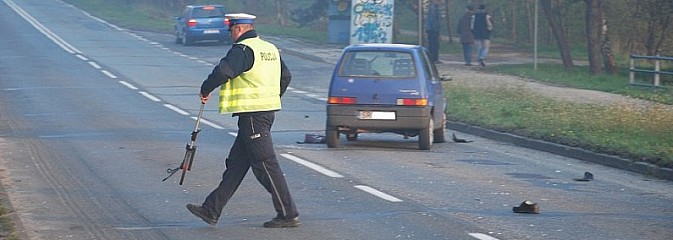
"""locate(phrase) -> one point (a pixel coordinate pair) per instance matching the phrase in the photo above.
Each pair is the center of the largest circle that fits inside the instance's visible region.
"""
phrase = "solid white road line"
(378, 193)
(44, 30)
(313, 166)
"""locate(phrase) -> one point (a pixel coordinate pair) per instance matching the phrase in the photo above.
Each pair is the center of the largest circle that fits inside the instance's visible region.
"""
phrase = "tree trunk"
(530, 16)
(281, 12)
(514, 22)
(556, 24)
(447, 3)
(252, 5)
(593, 27)
(608, 58)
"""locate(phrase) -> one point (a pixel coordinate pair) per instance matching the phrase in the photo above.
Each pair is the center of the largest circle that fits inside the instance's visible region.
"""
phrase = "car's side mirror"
(446, 78)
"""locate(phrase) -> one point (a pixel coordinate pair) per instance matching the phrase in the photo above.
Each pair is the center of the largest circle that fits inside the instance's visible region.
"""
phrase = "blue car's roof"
(382, 46)
(205, 5)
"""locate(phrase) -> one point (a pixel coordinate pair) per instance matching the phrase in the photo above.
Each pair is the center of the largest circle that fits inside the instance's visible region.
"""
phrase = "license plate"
(211, 31)
(377, 115)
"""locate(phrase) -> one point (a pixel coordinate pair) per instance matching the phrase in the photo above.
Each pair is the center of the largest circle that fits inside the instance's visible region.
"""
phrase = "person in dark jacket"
(466, 37)
(482, 26)
(432, 29)
(252, 77)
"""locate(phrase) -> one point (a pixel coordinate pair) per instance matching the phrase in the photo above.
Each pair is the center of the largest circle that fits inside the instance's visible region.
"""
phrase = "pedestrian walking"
(252, 77)
(432, 24)
(466, 37)
(482, 27)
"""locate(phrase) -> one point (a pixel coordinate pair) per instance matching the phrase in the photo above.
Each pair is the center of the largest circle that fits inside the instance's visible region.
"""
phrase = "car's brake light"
(342, 100)
(209, 8)
(226, 21)
(191, 22)
(412, 102)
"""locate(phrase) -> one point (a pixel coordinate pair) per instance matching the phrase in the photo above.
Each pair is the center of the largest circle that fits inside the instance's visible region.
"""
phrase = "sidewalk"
(453, 66)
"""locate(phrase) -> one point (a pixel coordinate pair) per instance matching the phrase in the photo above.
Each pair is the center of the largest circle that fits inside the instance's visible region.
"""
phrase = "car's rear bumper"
(405, 117)
(198, 34)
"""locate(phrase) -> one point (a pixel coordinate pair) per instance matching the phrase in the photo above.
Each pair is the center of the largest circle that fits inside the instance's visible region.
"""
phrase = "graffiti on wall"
(372, 21)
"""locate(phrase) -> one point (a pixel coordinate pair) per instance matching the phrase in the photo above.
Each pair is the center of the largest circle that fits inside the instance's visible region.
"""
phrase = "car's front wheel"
(332, 135)
(425, 137)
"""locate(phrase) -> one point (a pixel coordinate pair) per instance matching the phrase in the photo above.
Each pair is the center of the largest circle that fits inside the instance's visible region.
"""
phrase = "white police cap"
(239, 18)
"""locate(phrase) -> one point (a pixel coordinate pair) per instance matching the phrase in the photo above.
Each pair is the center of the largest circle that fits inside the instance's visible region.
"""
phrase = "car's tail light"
(191, 22)
(226, 21)
(342, 100)
(412, 101)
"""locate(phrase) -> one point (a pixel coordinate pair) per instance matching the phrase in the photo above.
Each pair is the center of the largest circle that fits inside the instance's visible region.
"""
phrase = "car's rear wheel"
(332, 135)
(187, 40)
(439, 133)
(425, 136)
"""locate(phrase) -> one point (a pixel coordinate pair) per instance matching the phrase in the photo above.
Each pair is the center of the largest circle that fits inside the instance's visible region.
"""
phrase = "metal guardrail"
(657, 69)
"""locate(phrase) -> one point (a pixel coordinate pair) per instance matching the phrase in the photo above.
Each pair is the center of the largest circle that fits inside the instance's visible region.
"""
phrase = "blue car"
(201, 22)
(386, 88)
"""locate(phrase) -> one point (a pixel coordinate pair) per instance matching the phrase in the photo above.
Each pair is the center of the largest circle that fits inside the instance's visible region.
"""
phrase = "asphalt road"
(92, 115)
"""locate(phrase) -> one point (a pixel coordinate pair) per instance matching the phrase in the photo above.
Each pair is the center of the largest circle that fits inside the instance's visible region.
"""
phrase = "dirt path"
(471, 76)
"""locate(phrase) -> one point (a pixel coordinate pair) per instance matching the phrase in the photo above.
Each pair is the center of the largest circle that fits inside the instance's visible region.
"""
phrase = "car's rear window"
(378, 64)
(207, 12)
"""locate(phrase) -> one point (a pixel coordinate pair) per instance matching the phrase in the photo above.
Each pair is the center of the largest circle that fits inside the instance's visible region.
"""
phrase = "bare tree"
(447, 3)
(282, 12)
(608, 58)
(658, 17)
(555, 21)
(593, 19)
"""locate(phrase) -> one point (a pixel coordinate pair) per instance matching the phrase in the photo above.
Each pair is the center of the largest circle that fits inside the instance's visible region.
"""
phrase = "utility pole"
(420, 22)
(535, 39)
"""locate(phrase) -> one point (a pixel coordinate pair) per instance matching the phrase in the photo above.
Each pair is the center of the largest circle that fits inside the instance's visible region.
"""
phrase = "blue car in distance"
(201, 22)
(386, 88)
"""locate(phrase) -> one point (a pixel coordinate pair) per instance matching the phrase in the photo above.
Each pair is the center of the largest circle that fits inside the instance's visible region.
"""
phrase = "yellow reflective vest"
(258, 89)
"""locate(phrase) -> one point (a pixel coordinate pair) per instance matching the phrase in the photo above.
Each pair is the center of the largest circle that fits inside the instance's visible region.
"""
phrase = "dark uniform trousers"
(253, 147)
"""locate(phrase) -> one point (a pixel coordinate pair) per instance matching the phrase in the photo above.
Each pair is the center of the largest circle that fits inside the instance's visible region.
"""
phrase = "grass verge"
(642, 134)
(7, 230)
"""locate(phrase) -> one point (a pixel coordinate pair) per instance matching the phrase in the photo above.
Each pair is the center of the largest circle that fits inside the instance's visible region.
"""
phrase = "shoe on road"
(279, 222)
(527, 207)
(202, 213)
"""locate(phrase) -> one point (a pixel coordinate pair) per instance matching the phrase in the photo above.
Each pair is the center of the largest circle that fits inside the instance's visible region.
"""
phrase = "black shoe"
(279, 222)
(469, 64)
(482, 63)
(587, 177)
(527, 207)
(202, 213)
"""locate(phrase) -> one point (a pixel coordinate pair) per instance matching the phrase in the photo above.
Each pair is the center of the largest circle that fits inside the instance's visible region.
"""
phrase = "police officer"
(252, 77)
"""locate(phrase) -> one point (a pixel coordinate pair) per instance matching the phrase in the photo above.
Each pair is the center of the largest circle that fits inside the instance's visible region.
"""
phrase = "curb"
(567, 151)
